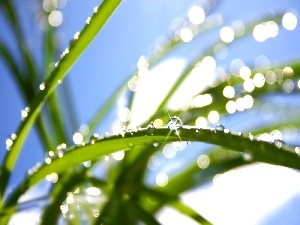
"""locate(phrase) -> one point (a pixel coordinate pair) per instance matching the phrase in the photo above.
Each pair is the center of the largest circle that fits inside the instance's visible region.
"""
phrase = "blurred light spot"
(124, 114)
(221, 51)
(265, 30)
(158, 123)
(227, 34)
(203, 161)
(289, 21)
(162, 179)
(259, 80)
(299, 83)
(186, 34)
(238, 27)
(248, 101)
(93, 191)
(84, 129)
(49, 5)
(265, 137)
(96, 9)
(262, 63)
(53, 178)
(245, 72)
(267, 111)
(213, 117)
(240, 105)
(270, 77)
(55, 18)
(248, 85)
(169, 151)
(87, 164)
(196, 14)
(231, 107)
(288, 86)
(153, 163)
(229, 92)
(201, 122)
(235, 66)
(287, 71)
(201, 100)
(118, 155)
(77, 138)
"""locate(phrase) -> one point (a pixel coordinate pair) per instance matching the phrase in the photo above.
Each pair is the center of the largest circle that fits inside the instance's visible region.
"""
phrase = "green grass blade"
(262, 151)
(99, 18)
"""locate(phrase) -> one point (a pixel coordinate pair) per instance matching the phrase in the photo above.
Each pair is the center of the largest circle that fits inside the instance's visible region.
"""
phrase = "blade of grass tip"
(283, 155)
(209, 51)
(99, 18)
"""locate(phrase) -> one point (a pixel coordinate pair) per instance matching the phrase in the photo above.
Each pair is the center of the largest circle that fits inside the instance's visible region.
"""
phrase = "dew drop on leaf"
(150, 128)
(278, 143)
(94, 138)
(24, 113)
(219, 127)
(174, 123)
(247, 156)
(297, 150)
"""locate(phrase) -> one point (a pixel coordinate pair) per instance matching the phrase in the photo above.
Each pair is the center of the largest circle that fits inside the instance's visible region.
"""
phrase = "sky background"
(130, 33)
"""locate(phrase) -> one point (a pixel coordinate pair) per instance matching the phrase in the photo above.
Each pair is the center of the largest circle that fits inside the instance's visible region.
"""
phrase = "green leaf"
(261, 151)
(77, 47)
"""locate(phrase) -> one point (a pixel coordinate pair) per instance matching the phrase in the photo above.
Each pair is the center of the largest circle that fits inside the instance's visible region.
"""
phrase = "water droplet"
(53, 178)
(247, 156)
(49, 156)
(76, 35)
(42, 86)
(56, 64)
(95, 9)
(88, 20)
(174, 123)
(150, 128)
(155, 145)
(24, 113)
(87, 164)
(297, 150)
(61, 150)
(94, 138)
(250, 136)
(219, 127)
(60, 81)
(278, 143)
(9, 142)
(77, 138)
(189, 142)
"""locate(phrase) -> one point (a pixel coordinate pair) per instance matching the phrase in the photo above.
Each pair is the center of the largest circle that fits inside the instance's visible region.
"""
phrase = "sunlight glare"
(289, 21)
(196, 15)
(227, 34)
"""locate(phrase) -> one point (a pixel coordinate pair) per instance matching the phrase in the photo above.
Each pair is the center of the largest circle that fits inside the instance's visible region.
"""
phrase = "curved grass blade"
(262, 151)
(99, 18)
